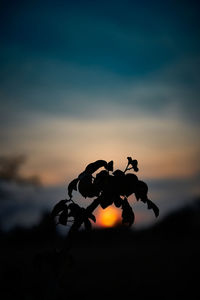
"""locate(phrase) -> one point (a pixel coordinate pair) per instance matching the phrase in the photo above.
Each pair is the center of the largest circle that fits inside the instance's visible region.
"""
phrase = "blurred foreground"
(160, 262)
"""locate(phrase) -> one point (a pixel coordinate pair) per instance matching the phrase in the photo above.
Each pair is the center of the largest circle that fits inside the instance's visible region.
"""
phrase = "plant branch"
(127, 168)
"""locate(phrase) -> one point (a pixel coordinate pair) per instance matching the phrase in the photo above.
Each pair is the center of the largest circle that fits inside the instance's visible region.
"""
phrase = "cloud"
(10, 170)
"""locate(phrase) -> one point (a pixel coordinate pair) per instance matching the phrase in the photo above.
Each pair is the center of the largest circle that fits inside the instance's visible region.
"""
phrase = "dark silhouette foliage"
(108, 187)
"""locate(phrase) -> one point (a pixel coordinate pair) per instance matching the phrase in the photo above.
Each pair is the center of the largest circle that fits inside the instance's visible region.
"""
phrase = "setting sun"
(109, 217)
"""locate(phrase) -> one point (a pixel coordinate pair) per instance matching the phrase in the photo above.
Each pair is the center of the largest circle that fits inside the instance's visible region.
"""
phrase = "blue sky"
(95, 46)
(83, 80)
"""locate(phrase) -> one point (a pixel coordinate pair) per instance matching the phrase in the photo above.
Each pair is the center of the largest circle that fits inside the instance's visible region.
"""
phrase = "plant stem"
(126, 168)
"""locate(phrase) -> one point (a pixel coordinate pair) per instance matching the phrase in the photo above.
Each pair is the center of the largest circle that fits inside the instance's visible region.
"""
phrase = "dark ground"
(162, 262)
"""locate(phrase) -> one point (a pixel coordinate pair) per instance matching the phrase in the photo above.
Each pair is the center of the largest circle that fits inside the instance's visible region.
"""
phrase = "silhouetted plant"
(107, 187)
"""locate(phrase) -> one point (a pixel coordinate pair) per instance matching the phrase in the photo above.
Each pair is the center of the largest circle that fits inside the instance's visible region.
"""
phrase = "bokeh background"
(88, 80)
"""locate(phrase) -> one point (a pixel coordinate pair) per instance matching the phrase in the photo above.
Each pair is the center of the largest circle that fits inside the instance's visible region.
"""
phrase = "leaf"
(129, 160)
(119, 182)
(118, 201)
(141, 191)
(128, 216)
(63, 216)
(152, 205)
(93, 167)
(130, 183)
(87, 188)
(75, 210)
(125, 185)
(102, 174)
(118, 173)
(88, 225)
(100, 180)
(58, 208)
(109, 185)
(133, 163)
(105, 183)
(109, 166)
(92, 217)
(72, 186)
(82, 175)
(105, 200)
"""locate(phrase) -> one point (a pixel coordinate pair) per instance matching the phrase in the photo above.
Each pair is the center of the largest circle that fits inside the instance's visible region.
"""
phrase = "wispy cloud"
(10, 171)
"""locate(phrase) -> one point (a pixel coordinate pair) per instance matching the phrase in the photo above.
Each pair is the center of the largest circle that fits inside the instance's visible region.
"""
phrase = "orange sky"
(59, 149)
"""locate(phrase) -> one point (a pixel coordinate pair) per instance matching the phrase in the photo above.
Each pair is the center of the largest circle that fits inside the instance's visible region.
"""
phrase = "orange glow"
(108, 217)
(45, 142)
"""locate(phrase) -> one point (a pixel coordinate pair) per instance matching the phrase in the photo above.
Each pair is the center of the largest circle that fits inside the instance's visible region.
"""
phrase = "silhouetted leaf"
(130, 183)
(100, 177)
(100, 180)
(151, 205)
(58, 208)
(119, 182)
(102, 174)
(133, 163)
(125, 185)
(88, 225)
(118, 201)
(129, 160)
(72, 186)
(92, 217)
(93, 167)
(63, 216)
(105, 200)
(105, 182)
(118, 173)
(83, 187)
(82, 175)
(87, 188)
(75, 210)
(141, 191)
(109, 185)
(110, 166)
(128, 216)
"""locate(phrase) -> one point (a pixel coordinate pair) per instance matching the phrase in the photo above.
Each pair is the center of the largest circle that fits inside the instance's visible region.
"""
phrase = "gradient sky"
(88, 80)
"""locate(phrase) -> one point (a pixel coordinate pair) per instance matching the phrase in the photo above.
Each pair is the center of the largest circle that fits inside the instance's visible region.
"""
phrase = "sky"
(88, 80)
